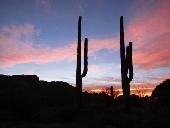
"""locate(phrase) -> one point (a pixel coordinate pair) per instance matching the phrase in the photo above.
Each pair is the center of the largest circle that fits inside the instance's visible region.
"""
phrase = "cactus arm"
(130, 62)
(127, 61)
(85, 58)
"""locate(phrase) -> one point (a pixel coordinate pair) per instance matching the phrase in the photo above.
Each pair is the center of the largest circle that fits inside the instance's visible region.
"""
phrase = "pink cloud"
(45, 3)
(13, 50)
(94, 68)
(15, 31)
(150, 34)
(95, 45)
(160, 79)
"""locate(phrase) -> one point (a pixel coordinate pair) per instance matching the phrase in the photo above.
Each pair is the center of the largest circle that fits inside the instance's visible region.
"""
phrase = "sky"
(40, 37)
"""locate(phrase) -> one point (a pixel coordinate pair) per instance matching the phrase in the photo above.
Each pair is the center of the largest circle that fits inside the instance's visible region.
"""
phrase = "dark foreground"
(49, 105)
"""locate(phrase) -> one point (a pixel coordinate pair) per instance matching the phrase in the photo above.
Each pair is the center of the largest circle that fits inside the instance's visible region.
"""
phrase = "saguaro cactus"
(111, 92)
(126, 66)
(78, 70)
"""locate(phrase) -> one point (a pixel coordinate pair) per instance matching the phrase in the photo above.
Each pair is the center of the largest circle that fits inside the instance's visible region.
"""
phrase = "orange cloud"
(96, 90)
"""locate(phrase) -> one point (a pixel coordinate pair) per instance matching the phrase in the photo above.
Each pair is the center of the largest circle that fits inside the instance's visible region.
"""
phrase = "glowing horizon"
(148, 91)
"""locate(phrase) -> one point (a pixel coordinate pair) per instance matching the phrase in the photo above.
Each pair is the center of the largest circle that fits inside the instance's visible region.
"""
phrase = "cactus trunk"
(78, 70)
(126, 66)
(111, 92)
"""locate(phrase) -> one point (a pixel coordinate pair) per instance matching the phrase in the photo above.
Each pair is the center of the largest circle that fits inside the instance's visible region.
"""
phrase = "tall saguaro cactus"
(126, 66)
(78, 70)
(111, 92)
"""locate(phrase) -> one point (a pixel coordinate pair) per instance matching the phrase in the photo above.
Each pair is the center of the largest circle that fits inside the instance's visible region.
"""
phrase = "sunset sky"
(40, 37)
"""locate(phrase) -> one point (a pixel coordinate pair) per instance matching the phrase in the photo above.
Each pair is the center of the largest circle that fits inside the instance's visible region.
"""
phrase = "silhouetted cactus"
(78, 70)
(111, 92)
(126, 66)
